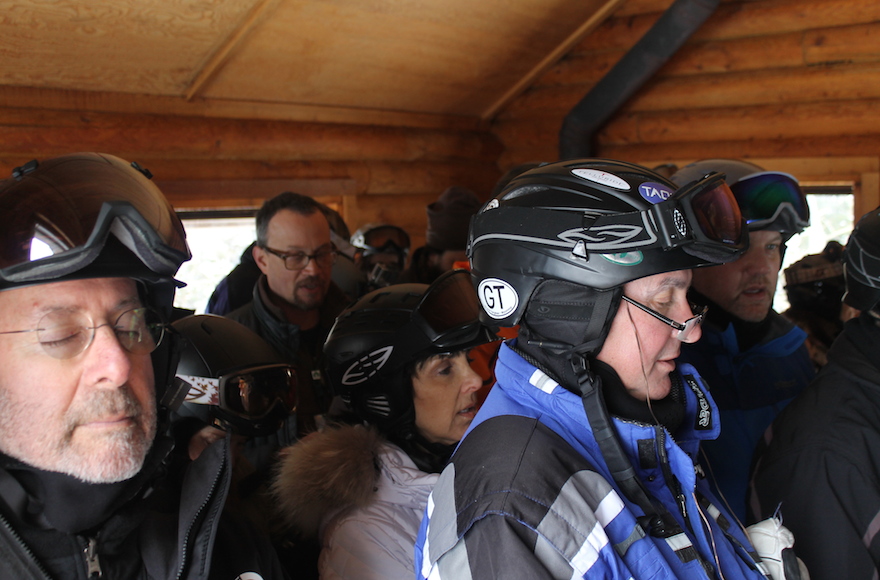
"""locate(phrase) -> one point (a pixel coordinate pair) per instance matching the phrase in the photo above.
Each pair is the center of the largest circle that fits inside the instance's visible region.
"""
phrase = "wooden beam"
(92, 102)
(582, 31)
(40, 133)
(257, 14)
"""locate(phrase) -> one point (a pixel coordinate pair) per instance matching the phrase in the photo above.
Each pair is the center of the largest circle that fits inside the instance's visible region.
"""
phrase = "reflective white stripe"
(679, 542)
(713, 511)
(542, 381)
(589, 551)
(609, 508)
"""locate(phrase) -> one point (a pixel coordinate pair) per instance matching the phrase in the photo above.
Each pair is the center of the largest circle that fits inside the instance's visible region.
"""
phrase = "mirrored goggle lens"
(450, 303)
(255, 392)
(717, 213)
(379, 238)
(58, 208)
(763, 196)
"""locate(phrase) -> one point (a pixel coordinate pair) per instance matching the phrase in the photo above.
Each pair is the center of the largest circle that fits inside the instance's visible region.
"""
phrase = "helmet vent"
(378, 404)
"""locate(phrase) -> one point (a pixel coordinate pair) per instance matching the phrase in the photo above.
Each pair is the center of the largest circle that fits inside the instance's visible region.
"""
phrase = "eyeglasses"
(684, 329)
(63, 334)
(299, 260)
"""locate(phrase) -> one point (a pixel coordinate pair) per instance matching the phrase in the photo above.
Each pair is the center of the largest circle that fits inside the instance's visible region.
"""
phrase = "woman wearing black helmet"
(398, 357)
(582, 461)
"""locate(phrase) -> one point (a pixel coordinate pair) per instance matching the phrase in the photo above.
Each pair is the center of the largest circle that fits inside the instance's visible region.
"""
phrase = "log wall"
(370, 173)
(786, 81)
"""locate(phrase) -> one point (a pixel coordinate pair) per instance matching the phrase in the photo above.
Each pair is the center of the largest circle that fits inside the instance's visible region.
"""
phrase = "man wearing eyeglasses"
(754, 360)
(295, 300)
(582, 461)
(88, 252)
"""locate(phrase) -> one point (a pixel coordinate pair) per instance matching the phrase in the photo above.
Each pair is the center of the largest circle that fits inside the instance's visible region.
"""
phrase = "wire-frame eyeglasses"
(684, 329)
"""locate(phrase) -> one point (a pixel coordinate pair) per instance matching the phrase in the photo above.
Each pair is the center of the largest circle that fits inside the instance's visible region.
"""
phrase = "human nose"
(312, 265)
(109, 363)
(693, 322)
(758, 261)
(472, 381)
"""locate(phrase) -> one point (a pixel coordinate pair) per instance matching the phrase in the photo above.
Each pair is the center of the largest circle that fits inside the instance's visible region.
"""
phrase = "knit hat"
(449, 218)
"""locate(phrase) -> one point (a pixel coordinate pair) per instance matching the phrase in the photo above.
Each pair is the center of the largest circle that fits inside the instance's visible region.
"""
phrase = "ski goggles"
(55, 217)
(384, 238)
(772, 198)
(250, 393)
(449, 312)
(702, 216)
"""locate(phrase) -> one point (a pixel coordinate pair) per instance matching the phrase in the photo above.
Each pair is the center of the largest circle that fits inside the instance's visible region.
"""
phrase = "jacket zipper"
(93, 563)
(24, 548)
(672, 481)
(186, 539)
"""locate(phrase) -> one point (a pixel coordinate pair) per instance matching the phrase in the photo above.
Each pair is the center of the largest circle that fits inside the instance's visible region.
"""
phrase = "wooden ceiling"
(390, 62)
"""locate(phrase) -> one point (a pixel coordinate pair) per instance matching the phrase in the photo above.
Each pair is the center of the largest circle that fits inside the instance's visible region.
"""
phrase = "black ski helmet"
(768, 200)
(816, 284)
(594, 225)
(376, 342)
(93, 215)
(861, 263)
(237, 381)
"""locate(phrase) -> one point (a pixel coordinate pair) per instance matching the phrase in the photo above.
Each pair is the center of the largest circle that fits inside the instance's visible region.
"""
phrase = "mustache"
(109, 403)
(310, 280)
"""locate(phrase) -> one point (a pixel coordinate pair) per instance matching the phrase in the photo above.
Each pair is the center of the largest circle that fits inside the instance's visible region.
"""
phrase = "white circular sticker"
(499, 299)
(602, 177)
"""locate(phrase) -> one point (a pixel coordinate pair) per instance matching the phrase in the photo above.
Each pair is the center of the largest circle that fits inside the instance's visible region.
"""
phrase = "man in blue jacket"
(754, 360)
(582, 463)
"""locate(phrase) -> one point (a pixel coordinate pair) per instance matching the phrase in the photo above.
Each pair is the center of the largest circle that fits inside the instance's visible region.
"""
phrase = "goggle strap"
(202, 390)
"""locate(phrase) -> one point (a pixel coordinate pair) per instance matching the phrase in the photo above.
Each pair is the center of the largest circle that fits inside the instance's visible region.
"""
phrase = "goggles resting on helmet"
(772, 199)
(383, 238)
(702, 218)
(55, 218)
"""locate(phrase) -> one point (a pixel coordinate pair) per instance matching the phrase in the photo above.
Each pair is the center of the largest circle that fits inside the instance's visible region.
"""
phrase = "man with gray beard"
(88, 251)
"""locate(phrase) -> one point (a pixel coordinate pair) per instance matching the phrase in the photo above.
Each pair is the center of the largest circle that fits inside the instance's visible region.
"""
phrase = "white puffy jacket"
(363, 496)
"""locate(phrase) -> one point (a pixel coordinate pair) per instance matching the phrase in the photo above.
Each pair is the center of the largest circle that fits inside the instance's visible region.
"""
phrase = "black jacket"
(154, 536)
(304, 349)
(823, 461)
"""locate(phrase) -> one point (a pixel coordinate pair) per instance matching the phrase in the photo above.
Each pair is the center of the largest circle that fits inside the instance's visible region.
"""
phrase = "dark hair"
(295, 202)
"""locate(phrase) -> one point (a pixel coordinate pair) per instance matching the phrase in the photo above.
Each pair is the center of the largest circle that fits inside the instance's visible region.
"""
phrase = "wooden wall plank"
(838, 145)
(762, 122)
(41, 133)
(868, 197)
(89, 101)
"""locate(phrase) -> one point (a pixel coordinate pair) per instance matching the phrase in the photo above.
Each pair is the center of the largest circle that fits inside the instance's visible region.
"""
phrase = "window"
(831, 218)
(216, 243)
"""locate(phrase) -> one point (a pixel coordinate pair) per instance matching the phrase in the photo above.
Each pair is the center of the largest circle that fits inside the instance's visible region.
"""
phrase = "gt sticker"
(499, 299)
(602, 178)
(654, 192)
(625, 258)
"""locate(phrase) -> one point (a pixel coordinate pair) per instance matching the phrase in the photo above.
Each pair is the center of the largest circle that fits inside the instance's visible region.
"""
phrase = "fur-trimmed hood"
(343, 469)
